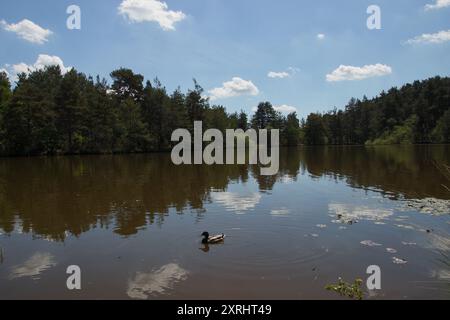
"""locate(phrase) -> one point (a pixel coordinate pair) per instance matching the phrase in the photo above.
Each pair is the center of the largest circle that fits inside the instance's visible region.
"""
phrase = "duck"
(207, 239)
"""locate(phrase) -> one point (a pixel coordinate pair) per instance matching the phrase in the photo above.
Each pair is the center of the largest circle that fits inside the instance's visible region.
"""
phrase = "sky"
(303, 56)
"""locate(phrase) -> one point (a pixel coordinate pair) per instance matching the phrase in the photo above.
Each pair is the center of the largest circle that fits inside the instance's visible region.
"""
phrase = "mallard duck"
(211, 240)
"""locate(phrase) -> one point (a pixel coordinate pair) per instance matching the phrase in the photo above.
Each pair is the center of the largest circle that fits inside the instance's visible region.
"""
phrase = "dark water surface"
(133, 223)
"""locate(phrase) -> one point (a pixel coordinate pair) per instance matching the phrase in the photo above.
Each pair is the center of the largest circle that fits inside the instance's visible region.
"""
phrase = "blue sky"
(216, 41)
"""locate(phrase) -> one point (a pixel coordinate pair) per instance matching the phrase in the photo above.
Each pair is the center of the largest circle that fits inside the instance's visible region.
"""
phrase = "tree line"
(417, 113)
(48, 112)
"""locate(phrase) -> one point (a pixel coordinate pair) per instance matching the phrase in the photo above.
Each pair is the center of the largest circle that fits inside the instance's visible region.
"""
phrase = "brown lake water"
(132, 223)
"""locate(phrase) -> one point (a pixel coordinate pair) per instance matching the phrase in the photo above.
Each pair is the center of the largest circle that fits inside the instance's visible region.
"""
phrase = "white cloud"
(279, 75)
(21, 68)
(435, 38)
(283, 74)
(321, 36)
(285, 108)
(439, 4)
(344, 73)
(28, 31)
(151, 11)
(42, 61)
(234, 88)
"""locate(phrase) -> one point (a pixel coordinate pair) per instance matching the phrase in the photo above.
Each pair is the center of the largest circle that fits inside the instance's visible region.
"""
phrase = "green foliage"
(50, 113)
(352, 291)
(5, 95)
(126, 84)
(403, 134)
(266, 117)
(5, 88)
(315, 130)
(415, 113)
(441, 132)
(291, 132)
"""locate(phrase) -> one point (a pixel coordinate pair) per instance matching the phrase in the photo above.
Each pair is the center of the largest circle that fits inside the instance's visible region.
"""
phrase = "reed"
(444, 169)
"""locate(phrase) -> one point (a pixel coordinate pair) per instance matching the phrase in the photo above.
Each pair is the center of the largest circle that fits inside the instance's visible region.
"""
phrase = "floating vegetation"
(314, 235)
(443, 274)
(370, 243)
(398, 260)
(444, 261)
(345, 289)
(283, 212)
(409, 243)
(349, 214)
(432, 206)
(439, 242)
(445, 258)
(405, 226)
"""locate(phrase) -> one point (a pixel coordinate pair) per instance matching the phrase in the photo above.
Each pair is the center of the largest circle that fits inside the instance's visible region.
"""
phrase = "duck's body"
(207, 239)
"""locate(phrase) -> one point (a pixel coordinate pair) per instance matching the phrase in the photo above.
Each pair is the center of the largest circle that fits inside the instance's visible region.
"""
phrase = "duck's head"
(205, 235)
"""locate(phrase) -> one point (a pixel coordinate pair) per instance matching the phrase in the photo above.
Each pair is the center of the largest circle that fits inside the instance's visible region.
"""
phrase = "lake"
(132, 223)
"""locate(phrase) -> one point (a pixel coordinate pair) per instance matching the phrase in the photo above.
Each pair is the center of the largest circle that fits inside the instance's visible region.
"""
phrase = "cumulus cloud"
(344, 73)
(283, 74)
(21, 68)
(284, 108)
(321, 36)
(42, 61)
(279, 75)
(234, 88)
(439, 4)
(151, 11)
(434, 38)
(28, 31)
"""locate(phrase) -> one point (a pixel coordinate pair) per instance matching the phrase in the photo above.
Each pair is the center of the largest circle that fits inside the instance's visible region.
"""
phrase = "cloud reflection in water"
(34, 266)
(144, 285)
(236, 202)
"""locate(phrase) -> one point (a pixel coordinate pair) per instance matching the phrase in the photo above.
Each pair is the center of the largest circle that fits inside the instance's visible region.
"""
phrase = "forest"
(417, 113)
(46, 112)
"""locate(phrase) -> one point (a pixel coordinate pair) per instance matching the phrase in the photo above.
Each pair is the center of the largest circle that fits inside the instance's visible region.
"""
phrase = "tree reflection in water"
(53, 197)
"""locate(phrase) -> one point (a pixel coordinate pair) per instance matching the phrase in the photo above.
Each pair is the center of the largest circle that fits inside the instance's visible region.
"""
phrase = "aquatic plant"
(445, 258)
(445, 171)
(345, 289)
